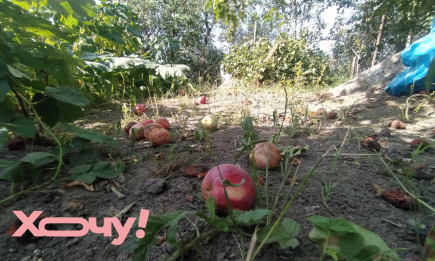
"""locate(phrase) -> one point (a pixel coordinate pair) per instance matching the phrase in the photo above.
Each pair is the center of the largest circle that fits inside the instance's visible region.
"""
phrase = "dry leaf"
(72, 206)
(73, 184)
(116, 184)
(160, 240)
(378, 190)
(190, 198)
(292, 182)
(198, 170)
(294, 161)
(159, 156)
(261, 180)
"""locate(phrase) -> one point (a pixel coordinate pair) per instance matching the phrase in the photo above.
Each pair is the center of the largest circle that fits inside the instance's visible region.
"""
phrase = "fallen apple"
(201, 99)
(146, 122)
(241, 197)
(139, 130)
(261, 154)
(139, 109)
(159, 137)
(164, 122)
(149, 128)
(210, 121)
(17, 143)
(128, 126)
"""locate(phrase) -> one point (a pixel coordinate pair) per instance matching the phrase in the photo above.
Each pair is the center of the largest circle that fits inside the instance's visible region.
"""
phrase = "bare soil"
(359, 114)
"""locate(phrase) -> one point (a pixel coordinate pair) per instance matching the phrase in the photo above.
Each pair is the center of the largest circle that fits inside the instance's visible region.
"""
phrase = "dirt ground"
(360, 114)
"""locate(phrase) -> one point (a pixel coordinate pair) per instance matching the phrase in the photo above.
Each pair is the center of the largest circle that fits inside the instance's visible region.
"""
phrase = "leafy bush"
(288, 58)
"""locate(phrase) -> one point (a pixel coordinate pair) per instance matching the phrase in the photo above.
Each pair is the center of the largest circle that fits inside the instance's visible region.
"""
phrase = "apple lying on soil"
(128, 126)
(146, 122)
(164, 122)
(17, 143)
(149, 128)
(210, 121)
(139, 130)
(201, 99)
(159, 137)
(241, 198)
(260, 154)
(139, 109)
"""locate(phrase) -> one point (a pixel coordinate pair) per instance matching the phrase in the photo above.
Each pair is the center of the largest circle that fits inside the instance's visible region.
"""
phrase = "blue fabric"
(417, 58)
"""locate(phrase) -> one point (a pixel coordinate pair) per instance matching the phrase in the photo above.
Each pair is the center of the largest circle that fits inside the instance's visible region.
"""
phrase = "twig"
(124, 210)
(392, 223)
(117, 193)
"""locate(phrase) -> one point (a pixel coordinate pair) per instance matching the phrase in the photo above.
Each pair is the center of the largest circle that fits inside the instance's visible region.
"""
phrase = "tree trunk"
(378, 41)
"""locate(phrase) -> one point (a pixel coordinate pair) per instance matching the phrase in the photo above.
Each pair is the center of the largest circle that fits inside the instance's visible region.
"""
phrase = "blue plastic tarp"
(417, 58)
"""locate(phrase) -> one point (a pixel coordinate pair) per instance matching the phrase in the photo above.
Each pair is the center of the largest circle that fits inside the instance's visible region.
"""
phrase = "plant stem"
(192, 244)
(284, 211)
(25, 191)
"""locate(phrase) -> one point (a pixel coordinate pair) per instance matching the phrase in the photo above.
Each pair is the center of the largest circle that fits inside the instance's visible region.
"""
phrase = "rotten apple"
(164, 122)
(241, 197)
(128, 126)
(139, 109)
(159, 137)
(210, 121)
(146, 122)
(149, 128)
(262, 152)
(139, 130)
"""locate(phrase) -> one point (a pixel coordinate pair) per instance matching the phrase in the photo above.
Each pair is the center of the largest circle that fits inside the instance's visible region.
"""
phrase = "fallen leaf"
(159, 156)
(292, 182)
(313, 114)
(295, 161)
(371, 144)
(160, 240)
(378, 190)
(198, 170)
(72, 206)
(399, 198)
(261, 180)
(73, 184)
(190, 198)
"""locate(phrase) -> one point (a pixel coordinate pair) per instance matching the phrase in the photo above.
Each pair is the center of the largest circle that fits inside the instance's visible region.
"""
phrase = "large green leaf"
(6, 163)
(4, 89)
(347, 240)
(285, 234)
(174, 70)
(21, 172)
(88, 173)
(129, 62)
(172, 230)
(3, 136)
(38, 159)
(68, 94)
(53, 111)
(89, 135)
(24, 127)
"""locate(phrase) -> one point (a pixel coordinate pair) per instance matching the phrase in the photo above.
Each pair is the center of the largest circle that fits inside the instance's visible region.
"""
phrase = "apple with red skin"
(139, 109)
(241, 198)
(146, 122)
(164, 122)
(201, 100)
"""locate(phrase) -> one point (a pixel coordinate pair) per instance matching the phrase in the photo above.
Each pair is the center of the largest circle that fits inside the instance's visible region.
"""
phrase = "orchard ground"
(359, 115)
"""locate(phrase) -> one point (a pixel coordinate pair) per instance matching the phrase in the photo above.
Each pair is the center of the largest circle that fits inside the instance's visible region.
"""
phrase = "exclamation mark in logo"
(143, 219)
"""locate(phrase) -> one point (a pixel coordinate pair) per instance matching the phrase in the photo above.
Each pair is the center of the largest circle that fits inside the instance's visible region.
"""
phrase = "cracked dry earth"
(159, 186)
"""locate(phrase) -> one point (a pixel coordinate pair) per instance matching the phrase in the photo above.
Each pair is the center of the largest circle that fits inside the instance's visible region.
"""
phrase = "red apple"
(128, 126)
(164, 122)
(261, 154)
(241, 198)
(149, 128)
(201, 99)
(139, 109)
(159, 137)
(139, 130)
(146, 122)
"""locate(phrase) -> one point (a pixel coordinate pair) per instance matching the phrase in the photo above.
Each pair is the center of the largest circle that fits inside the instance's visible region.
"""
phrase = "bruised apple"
(139, 109)
(149, 128)
(210, 121)
(159, 137)
(260, 154)
(128, 126)
(164, 122)
(139, 130)
(241, 198)
(146, 122)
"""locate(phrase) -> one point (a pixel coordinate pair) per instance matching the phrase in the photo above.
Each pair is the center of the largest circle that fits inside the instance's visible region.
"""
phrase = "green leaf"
(285, 234)
(351, 244)
(78, 144)
(252, 217)
(80, 169)
(337, 225)
(39, 159)
(210, 204)
(67, 94)
(106, 170)
(208, 5)
(88, 156)
(89, 135)
(6, 163)
(172, 70)
(87, 178)
(229, 184)
(172, 230)
(3, 136)
(21, 172)
(4, 89)
(24, 127)
(6, 115)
